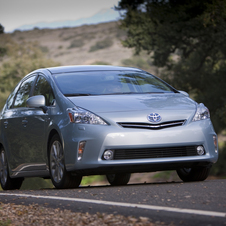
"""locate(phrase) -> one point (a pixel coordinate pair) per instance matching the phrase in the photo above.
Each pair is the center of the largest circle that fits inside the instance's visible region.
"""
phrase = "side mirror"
(37, 102)
(184, 93)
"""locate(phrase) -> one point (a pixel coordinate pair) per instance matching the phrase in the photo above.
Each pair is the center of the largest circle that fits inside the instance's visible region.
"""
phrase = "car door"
(34, 122)
(38, 122)
(15, 130)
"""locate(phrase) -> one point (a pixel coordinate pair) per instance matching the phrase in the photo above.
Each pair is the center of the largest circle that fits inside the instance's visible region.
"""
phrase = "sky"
(15, 13)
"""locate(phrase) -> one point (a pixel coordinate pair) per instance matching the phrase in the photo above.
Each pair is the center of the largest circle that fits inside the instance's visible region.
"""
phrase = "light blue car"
(67, 122)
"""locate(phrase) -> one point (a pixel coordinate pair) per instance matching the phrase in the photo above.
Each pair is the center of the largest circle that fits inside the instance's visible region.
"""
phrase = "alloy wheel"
(3, 168)
(57, 161)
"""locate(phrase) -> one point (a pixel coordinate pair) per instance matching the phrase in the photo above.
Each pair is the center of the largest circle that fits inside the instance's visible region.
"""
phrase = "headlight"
(82, 116)
(202, 113)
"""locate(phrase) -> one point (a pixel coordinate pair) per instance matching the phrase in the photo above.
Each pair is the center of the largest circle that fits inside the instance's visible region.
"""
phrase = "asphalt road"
(196, 203)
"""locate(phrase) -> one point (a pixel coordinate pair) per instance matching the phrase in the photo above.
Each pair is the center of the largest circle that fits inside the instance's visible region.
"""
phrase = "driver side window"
(42, 87)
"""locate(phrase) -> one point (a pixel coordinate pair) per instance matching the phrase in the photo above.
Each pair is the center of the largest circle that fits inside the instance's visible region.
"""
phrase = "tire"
(7, 182)
(60, 177)
(193, 174)
(118, 179)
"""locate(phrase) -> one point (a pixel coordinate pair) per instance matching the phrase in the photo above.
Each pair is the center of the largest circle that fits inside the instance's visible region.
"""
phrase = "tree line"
(186, 40)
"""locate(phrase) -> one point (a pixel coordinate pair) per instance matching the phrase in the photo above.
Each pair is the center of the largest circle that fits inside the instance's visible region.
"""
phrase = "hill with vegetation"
(88, 44)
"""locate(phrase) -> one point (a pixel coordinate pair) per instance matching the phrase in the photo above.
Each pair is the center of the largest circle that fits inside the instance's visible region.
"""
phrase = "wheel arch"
(51, 134)
(54, 131)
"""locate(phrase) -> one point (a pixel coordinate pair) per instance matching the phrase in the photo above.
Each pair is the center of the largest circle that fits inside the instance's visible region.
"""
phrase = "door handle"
(5, 123)
(24, 122)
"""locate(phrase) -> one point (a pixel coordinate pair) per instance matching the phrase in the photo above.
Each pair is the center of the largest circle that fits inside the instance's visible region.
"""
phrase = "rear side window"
(24, 92)
(11, 97)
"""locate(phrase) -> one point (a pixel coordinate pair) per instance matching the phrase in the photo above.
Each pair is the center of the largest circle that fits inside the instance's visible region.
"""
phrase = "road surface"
(194, 203)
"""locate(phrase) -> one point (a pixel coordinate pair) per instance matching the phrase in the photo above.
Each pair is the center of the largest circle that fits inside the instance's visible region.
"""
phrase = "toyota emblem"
(154, 117)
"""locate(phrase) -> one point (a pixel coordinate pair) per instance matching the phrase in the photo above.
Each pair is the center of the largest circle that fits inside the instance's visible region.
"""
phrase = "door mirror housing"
(37, 102)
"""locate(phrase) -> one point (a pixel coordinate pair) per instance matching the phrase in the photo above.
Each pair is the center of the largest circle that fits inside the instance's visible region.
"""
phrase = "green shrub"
(3, 51)
(44, 49)
(76, 43)
(21, 60)
(137, 61)
(106, 43)
(100, 63)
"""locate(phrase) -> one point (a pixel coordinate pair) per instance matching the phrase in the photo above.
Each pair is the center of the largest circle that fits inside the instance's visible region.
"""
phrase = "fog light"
(200, 150)
(108, 155)
(81, 148)
(215, 143)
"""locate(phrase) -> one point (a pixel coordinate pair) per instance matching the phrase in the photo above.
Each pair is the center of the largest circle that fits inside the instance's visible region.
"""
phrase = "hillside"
(71, 46)
(87, 44)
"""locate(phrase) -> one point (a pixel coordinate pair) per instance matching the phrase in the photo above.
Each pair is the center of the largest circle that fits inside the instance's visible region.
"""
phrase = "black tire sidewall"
(118, 179)
(195, 174)
(11, 183)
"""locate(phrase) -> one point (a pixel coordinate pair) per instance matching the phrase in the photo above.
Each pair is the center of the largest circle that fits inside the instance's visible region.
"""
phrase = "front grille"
(163, 125)
(163, 152)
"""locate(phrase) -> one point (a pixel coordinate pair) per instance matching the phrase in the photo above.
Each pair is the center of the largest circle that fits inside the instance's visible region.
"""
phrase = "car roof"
(66, 69)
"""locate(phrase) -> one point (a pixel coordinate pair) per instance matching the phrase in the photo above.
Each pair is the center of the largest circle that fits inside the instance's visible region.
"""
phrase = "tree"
(1, 29)
(2, 48)
(187, 39)
(19, 60)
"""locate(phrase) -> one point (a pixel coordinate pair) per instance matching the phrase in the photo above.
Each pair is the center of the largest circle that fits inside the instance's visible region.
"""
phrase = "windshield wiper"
(77, 94)
(124, 93)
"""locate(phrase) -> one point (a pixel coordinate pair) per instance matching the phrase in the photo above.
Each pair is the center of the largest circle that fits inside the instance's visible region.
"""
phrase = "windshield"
(109, 83)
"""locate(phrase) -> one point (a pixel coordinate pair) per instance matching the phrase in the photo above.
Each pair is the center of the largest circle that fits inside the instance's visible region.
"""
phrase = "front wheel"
(7, 182)
(118, 179)
(193, 174)
(58, 173)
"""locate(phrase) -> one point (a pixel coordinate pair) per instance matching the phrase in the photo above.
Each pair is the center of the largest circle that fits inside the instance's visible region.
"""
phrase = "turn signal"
(81, 149)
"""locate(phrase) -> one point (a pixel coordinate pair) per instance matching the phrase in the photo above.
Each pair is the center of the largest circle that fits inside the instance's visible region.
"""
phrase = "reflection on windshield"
(109, 83)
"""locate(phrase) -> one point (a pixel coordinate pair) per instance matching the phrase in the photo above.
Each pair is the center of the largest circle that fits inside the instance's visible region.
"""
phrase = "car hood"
(171, 106)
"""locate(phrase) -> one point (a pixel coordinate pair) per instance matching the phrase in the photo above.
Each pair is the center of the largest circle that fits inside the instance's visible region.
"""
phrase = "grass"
(5, 222)
(93, 180)
(166, 175)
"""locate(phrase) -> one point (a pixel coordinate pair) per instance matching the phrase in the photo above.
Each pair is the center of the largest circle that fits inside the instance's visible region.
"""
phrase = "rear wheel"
(7, 182)
(58, 173)
(193, 174)
(118, 179)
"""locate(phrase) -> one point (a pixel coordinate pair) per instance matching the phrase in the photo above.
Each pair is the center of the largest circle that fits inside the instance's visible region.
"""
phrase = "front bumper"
(100, 138)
